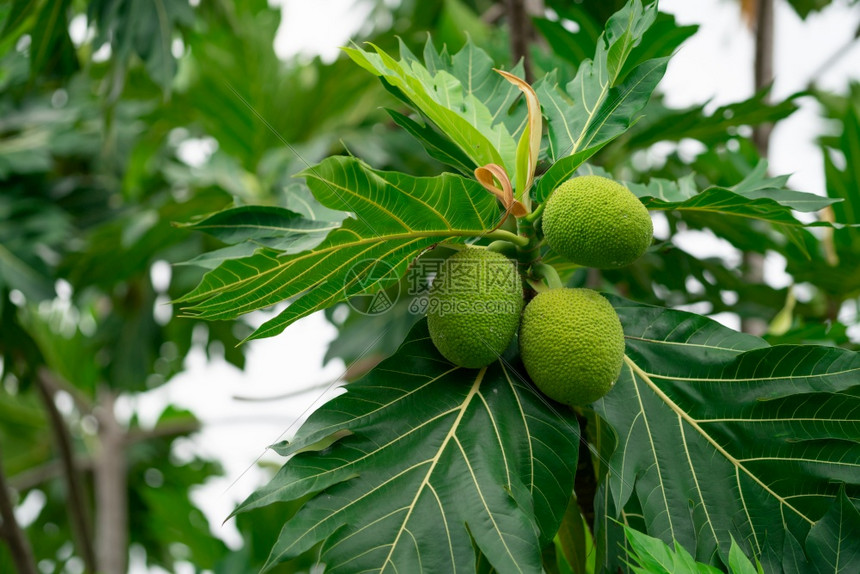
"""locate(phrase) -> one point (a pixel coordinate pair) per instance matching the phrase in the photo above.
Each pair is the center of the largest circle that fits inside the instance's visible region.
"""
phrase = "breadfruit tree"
(593, 426)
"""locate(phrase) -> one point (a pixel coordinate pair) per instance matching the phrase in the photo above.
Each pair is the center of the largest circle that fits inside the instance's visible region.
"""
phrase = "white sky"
(714, 65)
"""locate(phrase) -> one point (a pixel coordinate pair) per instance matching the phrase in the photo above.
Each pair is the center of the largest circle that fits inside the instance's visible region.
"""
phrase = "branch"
(35, 476)
(78, 509)
(19, 545)
(831, 61)
(162, 431)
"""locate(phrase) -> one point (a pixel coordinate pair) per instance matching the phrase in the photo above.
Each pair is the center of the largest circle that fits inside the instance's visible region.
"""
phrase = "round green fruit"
(596, 222)
(572, 344)
(474, 306)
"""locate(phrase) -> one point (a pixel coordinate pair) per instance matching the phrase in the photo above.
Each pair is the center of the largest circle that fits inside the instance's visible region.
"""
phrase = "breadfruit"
(571, 344)
(596, 222)
(474, 306)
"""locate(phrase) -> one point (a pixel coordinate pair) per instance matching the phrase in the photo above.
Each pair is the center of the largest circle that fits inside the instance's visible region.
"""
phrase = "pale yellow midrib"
(434, 461)
(692, 422)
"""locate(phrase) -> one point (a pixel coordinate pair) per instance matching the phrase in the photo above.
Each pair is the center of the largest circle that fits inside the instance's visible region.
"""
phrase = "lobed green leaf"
(428, 457)
(720, 436)
(462, 96)
(601, 102)
(396, 217)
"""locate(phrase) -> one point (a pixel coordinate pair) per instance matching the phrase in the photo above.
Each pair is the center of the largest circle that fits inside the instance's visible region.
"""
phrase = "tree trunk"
(763, 75)
(111, 483)
(519, 13)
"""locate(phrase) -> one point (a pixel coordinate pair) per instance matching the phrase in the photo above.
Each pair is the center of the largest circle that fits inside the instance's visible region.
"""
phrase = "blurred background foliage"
(120, 118)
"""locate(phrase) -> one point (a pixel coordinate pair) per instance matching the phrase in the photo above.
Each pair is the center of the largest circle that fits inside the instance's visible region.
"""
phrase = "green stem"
(528, 252)
(535, 215)
(517, 240)
(528, 244)
(548, 274)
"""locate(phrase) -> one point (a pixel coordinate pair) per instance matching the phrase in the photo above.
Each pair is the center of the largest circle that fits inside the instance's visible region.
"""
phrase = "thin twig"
(78, 508)
(19, 545)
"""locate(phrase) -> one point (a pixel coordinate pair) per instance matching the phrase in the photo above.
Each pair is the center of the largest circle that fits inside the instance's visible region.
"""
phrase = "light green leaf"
(299, 199)
(599, 104)
(452, 105)
(396, 217)
(721, 436)
(653, 556)
(574, 111)
(430, 457)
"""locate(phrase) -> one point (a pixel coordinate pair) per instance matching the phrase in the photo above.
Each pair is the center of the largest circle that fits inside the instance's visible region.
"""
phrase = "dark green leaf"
(721, 436)
(805, 7)
(20, 11)
(430, 457)
(51, 48)
(661, 124)
(144, 29)
(833, 543)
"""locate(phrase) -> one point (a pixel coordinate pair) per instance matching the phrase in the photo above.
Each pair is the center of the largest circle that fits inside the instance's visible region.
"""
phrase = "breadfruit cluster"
(571, 341)
(596, 222)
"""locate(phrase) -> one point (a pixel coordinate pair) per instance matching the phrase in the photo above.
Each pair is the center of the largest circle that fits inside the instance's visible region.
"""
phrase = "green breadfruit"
(474, 307)
(596, 222)
(571, 344)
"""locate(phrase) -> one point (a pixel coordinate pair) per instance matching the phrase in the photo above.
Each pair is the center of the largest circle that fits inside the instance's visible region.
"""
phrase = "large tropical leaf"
(718, 435)
(603, 99)
(396, 218)
(427, 460)
(462, 96)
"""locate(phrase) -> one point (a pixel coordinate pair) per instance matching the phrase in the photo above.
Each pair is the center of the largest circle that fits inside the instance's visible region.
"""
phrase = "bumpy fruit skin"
(474, 307)
(572, 344)
(596, 222)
